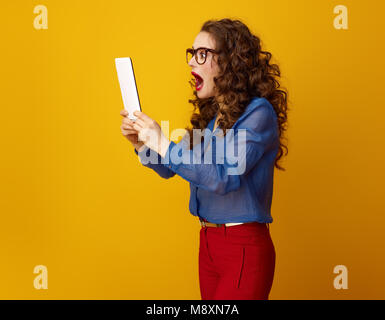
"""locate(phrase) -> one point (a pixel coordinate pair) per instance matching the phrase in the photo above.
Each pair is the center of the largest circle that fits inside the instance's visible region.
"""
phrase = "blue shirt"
(216, 195)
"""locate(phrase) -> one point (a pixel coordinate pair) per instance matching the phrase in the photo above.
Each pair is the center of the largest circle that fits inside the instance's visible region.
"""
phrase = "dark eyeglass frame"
(194, 53)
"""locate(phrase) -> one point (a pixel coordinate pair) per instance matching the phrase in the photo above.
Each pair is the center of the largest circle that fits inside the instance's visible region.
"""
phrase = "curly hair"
(244, 72)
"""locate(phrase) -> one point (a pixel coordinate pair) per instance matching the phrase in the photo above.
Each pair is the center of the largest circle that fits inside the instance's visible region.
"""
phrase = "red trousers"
(236, 262)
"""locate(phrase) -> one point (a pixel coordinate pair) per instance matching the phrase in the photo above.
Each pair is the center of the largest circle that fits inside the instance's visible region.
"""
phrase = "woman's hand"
(129, 132)
(150, 133)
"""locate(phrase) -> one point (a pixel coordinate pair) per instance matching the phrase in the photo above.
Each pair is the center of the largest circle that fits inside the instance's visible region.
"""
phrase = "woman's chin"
(203, 94)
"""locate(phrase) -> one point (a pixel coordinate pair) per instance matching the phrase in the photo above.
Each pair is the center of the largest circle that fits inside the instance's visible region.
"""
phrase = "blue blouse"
(216, 193)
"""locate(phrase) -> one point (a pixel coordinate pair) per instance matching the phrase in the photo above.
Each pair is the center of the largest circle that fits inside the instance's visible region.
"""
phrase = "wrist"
(139, 147)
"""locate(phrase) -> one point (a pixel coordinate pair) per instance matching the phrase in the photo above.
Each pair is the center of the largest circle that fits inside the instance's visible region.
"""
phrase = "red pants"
(236, 262)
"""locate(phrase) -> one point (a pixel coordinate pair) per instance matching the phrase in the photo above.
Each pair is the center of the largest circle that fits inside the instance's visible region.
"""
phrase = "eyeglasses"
(199, 53)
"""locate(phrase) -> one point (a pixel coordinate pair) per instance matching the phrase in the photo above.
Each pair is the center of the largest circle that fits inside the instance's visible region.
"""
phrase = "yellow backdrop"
(75, 198)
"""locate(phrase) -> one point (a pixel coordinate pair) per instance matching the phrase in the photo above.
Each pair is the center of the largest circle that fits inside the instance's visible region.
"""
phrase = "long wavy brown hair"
(245, 72)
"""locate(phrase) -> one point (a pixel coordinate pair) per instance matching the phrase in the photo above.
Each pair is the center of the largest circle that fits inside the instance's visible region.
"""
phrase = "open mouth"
(198, 81)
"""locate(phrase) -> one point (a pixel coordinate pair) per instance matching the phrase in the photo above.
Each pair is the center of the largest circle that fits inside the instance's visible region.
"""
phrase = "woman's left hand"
(150, 133)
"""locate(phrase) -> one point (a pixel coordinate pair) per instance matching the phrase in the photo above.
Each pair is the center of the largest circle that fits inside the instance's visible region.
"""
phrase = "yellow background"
(75, 198)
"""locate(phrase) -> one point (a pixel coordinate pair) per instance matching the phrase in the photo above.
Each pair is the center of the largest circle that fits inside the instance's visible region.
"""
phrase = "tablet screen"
(128, 86)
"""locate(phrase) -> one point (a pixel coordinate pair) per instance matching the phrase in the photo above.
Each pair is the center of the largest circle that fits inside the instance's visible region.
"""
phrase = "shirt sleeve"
(156, 165)
(259, 133)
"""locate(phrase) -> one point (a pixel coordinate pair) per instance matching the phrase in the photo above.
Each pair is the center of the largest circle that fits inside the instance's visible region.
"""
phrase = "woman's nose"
(192, 62)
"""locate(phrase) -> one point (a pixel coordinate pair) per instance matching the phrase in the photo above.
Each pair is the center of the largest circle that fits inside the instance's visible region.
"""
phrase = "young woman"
(236, 88)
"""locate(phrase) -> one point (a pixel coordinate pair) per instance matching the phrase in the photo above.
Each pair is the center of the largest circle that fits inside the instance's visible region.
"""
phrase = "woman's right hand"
(129, 132)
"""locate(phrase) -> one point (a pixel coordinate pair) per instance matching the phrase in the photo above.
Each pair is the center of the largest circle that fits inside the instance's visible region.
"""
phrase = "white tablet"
(128, 87)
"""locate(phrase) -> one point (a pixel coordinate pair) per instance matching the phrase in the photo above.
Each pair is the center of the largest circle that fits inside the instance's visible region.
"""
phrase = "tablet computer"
(128, 86)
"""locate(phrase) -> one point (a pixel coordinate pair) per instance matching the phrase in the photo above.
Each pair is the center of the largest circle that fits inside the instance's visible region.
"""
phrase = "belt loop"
(224, 229)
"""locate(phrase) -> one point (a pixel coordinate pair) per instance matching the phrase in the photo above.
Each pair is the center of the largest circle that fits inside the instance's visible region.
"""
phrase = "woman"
(236, 88)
